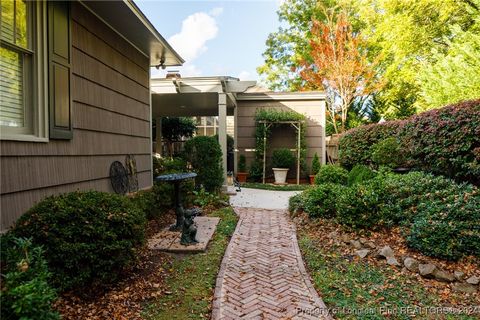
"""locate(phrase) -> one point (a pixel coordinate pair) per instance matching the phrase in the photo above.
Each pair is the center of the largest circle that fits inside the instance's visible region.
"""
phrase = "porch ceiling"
(187, 104)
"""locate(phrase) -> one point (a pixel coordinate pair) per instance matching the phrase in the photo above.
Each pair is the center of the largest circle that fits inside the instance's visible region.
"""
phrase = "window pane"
(7, 20)
(21, 22)
(11, 89)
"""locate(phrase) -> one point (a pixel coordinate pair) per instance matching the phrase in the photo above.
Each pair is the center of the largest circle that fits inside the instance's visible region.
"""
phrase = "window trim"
(36, 93)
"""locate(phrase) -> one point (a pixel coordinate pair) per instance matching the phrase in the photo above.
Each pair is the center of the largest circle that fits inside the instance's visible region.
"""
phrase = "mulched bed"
(321, 231)
(124, 300)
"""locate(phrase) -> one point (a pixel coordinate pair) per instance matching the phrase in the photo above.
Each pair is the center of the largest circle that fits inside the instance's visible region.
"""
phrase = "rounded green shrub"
(26, 293)
(331, 174)
(359, 174)
(448, 228)
(320, 201)
(388, 153)
(296, 203)
(282, 158)
(205, 156)
(87, 236)
(360, 206)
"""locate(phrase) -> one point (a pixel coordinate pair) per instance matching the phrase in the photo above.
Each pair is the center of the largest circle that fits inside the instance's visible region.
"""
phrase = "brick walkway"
(262, 274)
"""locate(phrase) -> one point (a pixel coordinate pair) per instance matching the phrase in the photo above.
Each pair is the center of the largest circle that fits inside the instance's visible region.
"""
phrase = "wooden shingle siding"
(110, 118)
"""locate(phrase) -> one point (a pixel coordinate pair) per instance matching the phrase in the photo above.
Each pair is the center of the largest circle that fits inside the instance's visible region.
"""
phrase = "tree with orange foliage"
(339, 65)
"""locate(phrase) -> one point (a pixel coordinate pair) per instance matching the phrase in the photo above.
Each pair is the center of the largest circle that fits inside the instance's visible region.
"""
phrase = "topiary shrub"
(282, 158)
(355, 146)
(26, 293)
(359, 174)
(448, 228)
(205, 156)
(242, 163)
(388, 153)
(87, 236)
(320, 201)
(331, 174)
(315, 164)
(255, 173)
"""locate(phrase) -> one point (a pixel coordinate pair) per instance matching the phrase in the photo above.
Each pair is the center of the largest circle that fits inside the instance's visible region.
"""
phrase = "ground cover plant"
(438, 216)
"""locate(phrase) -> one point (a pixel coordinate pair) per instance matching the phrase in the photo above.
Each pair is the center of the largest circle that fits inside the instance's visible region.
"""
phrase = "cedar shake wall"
(284, 136)
(110, 117)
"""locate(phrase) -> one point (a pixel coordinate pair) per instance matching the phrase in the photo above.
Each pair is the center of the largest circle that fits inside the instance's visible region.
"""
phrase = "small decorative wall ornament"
(118, 177)
(131, 166)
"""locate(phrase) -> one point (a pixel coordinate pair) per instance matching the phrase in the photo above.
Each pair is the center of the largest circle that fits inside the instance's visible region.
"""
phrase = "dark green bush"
(205, 156)
(448, 228)
(256, 171)
(25, 293)
(295, 203)
(356, 144)
(87, 236)
(360, 206)
(388, 153)
(315, 164)
(331, 174)
(359, 174)
(320, 201)
(282, 158)
(242, 163)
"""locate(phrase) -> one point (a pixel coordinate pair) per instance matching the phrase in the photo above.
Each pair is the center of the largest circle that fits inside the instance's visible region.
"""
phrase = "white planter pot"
(280, 175)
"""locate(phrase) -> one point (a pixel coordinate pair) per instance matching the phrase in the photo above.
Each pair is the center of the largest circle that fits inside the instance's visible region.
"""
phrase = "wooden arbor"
(298, 126)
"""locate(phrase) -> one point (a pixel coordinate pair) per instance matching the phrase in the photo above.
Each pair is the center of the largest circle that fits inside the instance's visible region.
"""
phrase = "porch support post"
(222, 133)
(158, 136)
(235, 141)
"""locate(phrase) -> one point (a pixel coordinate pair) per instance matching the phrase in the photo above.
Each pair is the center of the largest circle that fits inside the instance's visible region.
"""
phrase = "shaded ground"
(371, 287)
(160, 285)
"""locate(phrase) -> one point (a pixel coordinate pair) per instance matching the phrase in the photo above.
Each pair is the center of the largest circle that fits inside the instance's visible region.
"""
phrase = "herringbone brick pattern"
(262, 274)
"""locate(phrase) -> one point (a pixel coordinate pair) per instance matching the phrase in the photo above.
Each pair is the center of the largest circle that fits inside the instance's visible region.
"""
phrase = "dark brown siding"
(285, 135)
(110, 117)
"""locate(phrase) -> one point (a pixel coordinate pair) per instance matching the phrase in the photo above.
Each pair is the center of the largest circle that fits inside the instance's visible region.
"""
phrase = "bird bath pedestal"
(176, 179)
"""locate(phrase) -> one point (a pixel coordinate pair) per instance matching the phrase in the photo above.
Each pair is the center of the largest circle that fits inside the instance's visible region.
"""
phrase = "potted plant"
(282, 160)
(315, 168)
(242, 169)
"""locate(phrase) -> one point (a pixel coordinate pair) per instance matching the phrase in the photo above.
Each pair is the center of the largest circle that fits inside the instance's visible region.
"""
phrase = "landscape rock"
(393, 261)
(356, 244)
(473, 280)
(411, 264)
(345, 238)
(385, 252)
(362, 253)
(464, 287)
(369, 244)
(426, 270)
(459, 275)
(443, 276)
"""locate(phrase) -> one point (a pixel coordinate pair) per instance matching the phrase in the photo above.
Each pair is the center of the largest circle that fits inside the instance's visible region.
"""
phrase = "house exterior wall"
(110, 119)
(283, 136)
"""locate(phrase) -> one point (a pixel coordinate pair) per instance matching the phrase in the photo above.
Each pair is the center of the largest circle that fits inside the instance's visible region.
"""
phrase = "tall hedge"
(442, 141)
(205, 156)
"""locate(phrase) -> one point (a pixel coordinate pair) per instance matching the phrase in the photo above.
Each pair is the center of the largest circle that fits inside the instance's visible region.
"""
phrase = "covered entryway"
(200, 96)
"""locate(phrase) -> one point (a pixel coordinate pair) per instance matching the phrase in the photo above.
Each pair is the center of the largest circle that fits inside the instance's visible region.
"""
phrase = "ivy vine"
(275, 117)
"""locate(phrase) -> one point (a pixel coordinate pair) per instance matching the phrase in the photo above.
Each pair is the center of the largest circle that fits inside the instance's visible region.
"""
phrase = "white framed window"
(24, 73)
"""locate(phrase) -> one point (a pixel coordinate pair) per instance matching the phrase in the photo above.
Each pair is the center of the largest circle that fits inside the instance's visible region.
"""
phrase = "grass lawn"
(191, 282)
(344, 282)
(269, 186)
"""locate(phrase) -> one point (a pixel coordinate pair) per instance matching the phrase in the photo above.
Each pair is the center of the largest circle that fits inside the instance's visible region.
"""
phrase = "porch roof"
(195, 96)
